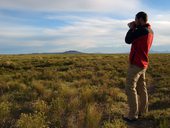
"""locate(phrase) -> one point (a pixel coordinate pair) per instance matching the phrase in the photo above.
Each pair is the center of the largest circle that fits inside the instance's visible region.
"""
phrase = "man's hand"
(132, 25)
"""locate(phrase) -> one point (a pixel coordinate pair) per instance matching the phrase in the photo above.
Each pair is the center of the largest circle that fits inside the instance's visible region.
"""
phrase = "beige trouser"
(136, 91)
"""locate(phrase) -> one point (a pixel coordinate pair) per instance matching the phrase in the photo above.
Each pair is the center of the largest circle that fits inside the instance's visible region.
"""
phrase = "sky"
(99, 26)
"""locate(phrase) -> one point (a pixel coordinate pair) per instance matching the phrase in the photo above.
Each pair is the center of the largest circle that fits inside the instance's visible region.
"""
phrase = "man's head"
(141, 18)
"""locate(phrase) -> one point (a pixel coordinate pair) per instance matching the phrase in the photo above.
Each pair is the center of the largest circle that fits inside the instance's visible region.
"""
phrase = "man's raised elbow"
(128, 41)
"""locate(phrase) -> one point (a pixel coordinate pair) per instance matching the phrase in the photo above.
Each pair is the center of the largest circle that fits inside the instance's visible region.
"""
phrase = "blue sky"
(35, 26)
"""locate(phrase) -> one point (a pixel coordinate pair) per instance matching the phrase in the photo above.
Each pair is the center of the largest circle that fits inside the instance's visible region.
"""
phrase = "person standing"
(140, 36)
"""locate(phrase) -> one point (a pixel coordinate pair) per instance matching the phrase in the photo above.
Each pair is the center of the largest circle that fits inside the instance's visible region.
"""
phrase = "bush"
(115, 124)
(37, 120)
(5, 109)
(87, 95)
(38, 86)
(67, 92)
(9, 65)
(164, 123)
(92, 117)
(40, 106)
(56, 111)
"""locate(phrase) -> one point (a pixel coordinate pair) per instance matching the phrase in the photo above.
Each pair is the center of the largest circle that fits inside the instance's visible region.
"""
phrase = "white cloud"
(92, 32)
(80, 31)
(161, 26)
(164, 17)
(18, 32)
(82, 34)
(72, 5)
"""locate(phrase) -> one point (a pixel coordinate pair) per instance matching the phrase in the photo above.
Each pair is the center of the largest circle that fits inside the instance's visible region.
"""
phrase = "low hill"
(72, 52)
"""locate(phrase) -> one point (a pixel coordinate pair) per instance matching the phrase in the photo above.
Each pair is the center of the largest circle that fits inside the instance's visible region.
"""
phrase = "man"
(140, 36)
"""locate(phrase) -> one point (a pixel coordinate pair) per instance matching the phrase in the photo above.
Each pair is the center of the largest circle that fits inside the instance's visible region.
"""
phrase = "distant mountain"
(66, 52)
(72, 52)
(78, 52)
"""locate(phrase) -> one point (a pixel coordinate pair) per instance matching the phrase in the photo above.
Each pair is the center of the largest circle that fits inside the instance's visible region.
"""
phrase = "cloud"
(161, 26)
(92, 32)
(81, 31)
(18, 32)
(163, 17)
(72, 5)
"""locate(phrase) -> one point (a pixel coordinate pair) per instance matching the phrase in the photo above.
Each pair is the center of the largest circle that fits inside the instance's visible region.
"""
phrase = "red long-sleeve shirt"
(141, 39)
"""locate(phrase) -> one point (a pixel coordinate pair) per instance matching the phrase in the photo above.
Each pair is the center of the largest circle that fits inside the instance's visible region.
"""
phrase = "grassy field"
(78, 91)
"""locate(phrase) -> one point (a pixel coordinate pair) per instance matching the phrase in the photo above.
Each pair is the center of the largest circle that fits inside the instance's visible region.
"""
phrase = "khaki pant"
(136, 91)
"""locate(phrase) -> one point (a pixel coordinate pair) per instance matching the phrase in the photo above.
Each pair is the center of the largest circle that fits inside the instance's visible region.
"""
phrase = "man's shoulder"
(141, 31)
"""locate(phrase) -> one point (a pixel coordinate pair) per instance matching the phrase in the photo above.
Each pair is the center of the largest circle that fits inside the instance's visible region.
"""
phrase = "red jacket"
(141, 39)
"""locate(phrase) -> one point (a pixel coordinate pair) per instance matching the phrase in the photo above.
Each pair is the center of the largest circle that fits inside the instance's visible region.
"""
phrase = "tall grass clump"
(36, 120)
(117, 123)
(92, 117)
(5, 109)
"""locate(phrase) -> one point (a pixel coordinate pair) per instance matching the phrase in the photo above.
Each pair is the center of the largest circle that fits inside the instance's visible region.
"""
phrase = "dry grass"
(77, 91)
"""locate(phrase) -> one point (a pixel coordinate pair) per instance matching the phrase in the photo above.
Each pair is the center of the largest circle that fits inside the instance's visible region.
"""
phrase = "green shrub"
(92, 117)
(164, 123)
(115, 124)
(40, 106)
(37, 120)
(5, 109)
(67, 91)
(9, 64)
(87, 95)
(38, 86)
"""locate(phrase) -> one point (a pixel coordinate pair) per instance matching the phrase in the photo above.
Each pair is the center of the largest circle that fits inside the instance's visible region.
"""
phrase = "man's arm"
(133, 34)
(129, 36)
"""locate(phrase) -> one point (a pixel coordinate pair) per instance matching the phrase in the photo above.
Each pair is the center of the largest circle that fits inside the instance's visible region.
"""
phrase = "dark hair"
(142, 15)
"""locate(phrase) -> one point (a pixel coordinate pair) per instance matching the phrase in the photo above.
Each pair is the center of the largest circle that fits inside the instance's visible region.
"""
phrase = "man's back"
(141, 39)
